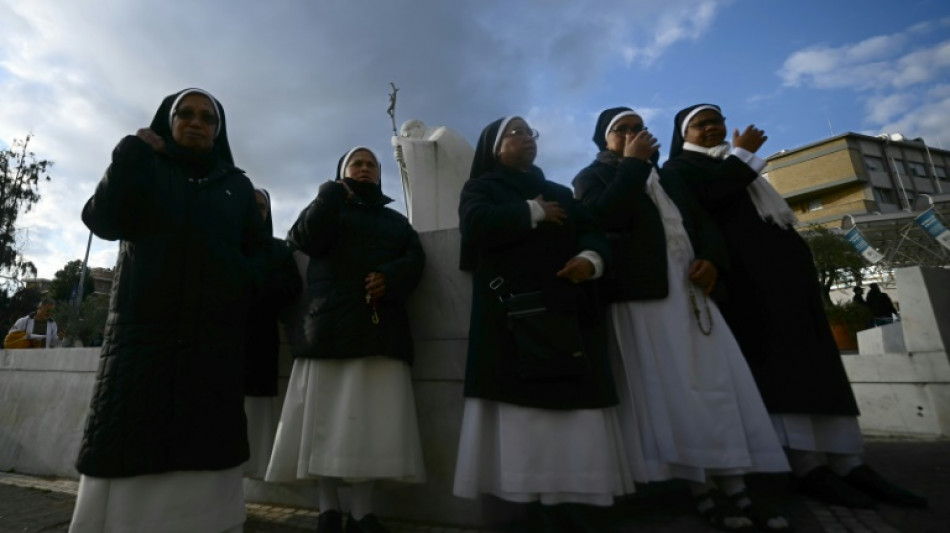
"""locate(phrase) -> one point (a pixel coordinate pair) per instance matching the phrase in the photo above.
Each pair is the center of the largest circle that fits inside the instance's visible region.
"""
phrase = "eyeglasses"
(205, 117)
(519, 133)
(708, 122)
(629, 130)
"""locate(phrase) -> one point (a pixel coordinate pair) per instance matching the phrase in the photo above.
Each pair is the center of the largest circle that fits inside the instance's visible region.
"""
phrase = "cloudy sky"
(304, 80)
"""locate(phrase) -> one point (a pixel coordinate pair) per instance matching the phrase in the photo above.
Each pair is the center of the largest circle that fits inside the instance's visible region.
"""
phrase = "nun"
(349, 416)
(787, 341)
(545, 436)
(280, 287)
(166, 434)
(689, 407)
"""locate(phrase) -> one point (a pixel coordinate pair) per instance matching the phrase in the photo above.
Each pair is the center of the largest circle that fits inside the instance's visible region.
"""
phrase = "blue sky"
(304, 80)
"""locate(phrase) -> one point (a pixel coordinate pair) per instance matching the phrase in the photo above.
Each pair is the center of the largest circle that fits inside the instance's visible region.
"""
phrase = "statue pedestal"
(901, 375)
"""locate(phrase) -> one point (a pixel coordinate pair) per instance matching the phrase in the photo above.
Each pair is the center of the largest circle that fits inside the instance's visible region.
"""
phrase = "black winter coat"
(616, 196)
(281, 284)
(786, 340)
(169, 387)
(497, 239)
(346, 240)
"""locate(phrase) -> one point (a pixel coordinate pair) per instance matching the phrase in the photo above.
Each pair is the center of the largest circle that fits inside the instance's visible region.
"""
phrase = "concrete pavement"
(33, 504)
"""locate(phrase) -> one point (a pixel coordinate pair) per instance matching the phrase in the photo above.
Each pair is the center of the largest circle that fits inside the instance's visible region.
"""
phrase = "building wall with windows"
(855, 174)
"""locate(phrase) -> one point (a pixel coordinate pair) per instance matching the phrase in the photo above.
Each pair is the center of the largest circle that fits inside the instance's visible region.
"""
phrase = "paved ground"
(32, 504)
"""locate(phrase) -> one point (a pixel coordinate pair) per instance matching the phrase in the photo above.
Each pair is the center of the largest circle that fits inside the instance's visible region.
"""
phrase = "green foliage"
(61, 288)
(22, 303)
(84, 322)
(20, 173)
(853, 315)
(835, 258)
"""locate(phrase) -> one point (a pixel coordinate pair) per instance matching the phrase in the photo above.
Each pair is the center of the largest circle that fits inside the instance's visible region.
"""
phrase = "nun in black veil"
(787, 341)
(552, 442)
(166, 433)
(689, 407)
(349, 416)
(281, 283)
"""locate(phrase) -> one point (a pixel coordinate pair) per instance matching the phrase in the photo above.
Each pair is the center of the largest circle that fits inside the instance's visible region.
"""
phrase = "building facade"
(855, 174)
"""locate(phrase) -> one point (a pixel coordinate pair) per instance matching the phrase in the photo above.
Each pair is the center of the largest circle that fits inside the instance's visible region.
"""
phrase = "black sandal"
(765, 517)
(723, 514)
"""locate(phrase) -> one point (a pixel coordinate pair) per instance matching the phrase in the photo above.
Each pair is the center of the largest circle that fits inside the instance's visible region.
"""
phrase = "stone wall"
(45, 395)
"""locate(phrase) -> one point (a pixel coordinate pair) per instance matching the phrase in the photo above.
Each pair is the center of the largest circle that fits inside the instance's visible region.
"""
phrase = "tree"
(22, 303)
(86, 321)
(66, 280)
(20, 173)
(835, 258)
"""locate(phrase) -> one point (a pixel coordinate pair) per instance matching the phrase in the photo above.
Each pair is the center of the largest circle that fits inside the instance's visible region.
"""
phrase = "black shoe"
(330, 521)
(582, 519)
(546, 519)
(870, 482)
(367, 524)
(823, 484)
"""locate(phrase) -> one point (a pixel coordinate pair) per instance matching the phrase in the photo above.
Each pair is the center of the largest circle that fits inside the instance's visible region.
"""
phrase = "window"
(941, 173)
(814, 205)
(918, 170)
(884, 196)
(874, 163)
(899, 167)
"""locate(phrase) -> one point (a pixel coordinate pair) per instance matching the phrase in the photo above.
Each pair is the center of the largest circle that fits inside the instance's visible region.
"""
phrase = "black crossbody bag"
(548, 345)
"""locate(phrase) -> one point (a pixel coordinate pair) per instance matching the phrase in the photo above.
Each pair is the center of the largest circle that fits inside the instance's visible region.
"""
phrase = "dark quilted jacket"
(169, 387)
(346, 240)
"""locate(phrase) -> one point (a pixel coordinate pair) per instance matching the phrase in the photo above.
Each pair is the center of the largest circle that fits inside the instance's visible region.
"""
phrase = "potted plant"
(846, 321)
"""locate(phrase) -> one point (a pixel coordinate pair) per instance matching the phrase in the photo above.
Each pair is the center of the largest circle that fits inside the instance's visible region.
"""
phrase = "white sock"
(733, 485)
(843, 463)
(327, 493)
(803, 461)
(362, 499)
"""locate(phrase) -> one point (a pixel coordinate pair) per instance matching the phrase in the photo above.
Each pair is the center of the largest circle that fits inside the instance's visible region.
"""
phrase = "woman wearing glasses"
(544, 435)
(689, 407)
(787, 341)
(166, 436)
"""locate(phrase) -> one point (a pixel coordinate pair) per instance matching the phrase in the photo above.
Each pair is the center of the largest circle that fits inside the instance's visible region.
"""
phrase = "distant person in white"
(39, 326)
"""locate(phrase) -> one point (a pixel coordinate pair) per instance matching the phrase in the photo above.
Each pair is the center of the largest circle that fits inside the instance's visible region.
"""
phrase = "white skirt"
(348, 418)
(819, 433)
(689, 407)
(263, 414)
(525, 454)
(173, 502)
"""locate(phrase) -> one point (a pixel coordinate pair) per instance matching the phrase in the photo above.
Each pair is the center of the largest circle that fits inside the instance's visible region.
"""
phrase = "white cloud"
(899, 78)
(301, 82)
(927, 119)
(690, 21)
(872, 64)
(883, 109)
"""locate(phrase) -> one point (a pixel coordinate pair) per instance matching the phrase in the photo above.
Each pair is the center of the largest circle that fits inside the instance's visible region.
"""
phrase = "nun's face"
(362, 166)
(261, 203)
(194, 123)
(518, 147)
(706, 129)
(617, 136)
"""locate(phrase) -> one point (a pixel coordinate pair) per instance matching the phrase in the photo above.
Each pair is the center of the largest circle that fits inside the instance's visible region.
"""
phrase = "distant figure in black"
(881, 306)
(858, 295)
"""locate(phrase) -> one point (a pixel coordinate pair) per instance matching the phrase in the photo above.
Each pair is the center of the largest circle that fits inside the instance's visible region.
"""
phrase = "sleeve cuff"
(754, 162)
(595, 260)
(537, 213)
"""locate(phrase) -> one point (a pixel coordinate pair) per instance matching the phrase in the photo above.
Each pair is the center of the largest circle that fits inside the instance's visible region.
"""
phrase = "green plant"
(84, 322)
(835, 259)
(854, 316)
